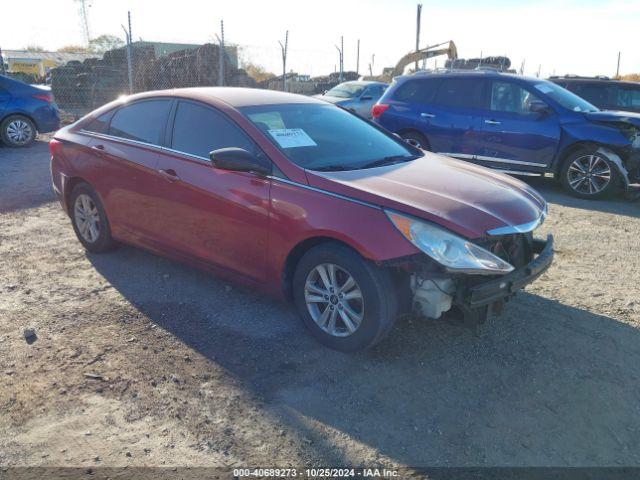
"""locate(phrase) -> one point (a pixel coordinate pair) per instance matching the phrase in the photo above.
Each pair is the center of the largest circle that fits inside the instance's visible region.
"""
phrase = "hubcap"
(87, 218)
(589, 174)
(19, 132)
(334, 300)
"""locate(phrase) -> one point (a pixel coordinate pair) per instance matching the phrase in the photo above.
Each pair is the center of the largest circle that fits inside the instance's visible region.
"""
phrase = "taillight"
(45, 97)
(55, 147)
(378, 110)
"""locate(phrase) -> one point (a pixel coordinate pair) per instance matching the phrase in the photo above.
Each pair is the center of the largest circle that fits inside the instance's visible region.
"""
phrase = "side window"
(626, 96)
(198, 130)
(598, 94)
(511, 98)
(417, 91)
(461, 93)
(99, 124)
(142, 121)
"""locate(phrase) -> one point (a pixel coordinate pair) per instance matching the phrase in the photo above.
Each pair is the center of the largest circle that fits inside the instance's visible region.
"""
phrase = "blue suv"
(25, 110)
(518, 125)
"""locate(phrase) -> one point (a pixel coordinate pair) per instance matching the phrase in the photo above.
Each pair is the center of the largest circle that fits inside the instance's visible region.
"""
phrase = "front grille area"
(517, 248)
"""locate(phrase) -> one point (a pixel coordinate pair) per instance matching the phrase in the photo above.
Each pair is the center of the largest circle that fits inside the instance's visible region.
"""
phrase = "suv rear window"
(141, 121)
(418, 91)
(462, 92)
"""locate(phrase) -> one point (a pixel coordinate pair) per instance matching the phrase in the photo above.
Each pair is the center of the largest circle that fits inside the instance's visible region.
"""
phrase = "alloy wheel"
(334, 300)
(87, 218)
(414, 143)
(19, 132)
(589, 174)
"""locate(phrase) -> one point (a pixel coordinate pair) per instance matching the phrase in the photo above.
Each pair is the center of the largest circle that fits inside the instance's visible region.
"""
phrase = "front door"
(514, 137)
(215, 215)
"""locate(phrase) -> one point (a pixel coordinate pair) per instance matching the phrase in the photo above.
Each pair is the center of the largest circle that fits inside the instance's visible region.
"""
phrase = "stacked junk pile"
(310, 86)
(82, 86)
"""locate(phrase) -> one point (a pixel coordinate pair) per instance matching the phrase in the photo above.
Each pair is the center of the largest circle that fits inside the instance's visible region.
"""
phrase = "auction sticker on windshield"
(292, 138)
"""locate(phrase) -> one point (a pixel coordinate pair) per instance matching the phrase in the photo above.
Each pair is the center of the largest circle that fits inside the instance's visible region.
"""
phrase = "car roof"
(593, 80)
(363, 82)
(233, 96)
(471, 73)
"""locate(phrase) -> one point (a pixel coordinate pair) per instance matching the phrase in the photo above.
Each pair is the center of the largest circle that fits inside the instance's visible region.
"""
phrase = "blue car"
(518, 125)
(24, 111)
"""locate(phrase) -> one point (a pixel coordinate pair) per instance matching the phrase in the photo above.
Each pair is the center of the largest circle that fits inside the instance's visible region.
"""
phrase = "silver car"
(357, 96)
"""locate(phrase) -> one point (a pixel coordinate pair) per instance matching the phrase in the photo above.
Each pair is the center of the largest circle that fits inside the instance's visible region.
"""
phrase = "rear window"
(141, 121)
(462, 93)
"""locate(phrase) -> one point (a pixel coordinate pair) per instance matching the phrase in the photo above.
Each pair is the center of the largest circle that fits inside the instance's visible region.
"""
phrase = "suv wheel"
(89, 219)
(415, 139)
(17, 131)
(588, 173)
(347, 303)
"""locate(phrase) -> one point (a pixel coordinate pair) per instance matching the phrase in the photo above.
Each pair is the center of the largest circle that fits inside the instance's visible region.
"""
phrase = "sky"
(580, 37)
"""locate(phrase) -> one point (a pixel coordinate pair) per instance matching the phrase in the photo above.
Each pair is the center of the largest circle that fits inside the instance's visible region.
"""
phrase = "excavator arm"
(429, 52)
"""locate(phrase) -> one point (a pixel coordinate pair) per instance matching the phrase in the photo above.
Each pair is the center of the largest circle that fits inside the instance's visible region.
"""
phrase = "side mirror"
(538, 106)
(366, 97)
(237, 160)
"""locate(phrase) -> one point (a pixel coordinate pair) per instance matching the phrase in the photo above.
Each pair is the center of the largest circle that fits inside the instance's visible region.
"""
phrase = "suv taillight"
(45, 97)
(378, 110)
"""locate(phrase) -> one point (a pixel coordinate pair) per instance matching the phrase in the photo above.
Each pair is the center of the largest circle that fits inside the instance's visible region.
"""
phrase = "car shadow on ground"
(23, 173)
(553, 192)
(544, 384)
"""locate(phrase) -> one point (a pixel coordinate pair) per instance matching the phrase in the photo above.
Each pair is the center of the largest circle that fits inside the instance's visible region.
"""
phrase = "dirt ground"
(143, 361)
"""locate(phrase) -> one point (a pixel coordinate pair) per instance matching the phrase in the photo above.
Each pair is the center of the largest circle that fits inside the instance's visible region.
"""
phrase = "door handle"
(169, 174)
(427, 115)
(98, 148)
(492, 122)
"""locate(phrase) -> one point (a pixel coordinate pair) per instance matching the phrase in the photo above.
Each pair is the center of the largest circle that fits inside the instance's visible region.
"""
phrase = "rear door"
(452, 119)
(512, 135)
(214, 215)
(5, 97)
(127, 174)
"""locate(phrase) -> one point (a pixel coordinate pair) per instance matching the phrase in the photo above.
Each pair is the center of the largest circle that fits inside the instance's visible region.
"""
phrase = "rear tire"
(17, 131)
(89, 219)
(344, 317)
(588, 173)
(416, 139)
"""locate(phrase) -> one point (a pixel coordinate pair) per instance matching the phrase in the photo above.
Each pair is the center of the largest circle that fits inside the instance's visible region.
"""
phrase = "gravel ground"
(142, 361)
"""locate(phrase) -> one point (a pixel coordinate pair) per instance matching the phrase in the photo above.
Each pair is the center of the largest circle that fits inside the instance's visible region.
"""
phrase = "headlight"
(453, 252)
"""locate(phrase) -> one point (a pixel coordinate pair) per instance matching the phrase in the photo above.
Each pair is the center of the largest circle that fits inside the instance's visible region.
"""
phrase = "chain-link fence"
(81, 86)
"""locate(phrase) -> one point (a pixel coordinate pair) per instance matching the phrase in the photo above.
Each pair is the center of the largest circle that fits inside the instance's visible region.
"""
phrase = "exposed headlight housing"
(454, 253)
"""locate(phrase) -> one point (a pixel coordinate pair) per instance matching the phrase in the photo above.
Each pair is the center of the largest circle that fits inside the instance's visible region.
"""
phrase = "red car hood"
(465, 198)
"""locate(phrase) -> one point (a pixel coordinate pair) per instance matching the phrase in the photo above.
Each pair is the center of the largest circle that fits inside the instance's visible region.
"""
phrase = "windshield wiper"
(393, 159)
(330, 168)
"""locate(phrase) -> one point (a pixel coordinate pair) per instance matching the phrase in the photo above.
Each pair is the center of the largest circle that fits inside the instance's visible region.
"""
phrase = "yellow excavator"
(446, 48)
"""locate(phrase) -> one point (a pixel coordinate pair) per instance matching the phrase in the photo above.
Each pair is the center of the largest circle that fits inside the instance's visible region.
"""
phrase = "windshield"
(346, 90)
(325, 137)
(565, 98)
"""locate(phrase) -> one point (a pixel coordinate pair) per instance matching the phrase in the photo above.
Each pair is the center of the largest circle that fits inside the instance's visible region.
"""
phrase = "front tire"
(588, 173)
(347, 303)
(17, 131)
(89, 219)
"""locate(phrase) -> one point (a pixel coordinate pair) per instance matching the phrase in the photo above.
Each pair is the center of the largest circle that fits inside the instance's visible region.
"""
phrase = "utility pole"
(341, 58)
(127, 34)
(373, 57)
(221, 55)
(522, 66)
(358, 58)
(84, 20)
(418, 14)
(284, 49)
(539, 70)
(618, 67)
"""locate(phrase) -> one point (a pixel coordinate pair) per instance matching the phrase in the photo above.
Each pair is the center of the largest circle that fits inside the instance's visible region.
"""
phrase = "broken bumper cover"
(486, 293)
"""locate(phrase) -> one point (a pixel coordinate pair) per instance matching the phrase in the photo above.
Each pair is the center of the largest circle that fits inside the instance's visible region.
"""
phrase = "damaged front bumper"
(479, 300)
(471, 299)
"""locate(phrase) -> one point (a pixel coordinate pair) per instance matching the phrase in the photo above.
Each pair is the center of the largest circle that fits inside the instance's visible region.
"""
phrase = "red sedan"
(304, 200)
